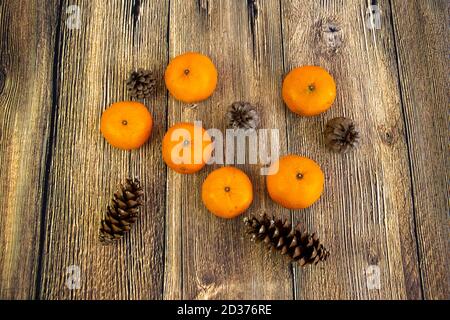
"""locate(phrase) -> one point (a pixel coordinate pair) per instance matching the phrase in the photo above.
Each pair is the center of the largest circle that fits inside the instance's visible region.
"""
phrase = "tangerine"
(295, 182)
(309, 90)
(227, 192)
(186, 147)
(191, 77)
(126, 125)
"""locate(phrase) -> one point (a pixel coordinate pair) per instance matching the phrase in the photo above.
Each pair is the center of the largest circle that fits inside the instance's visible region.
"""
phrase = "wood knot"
(136, 10)
(2, 79)
(208, 279)
(329, 36)
(204, 10)
(373, 259)
(252, 9)
(387, 136)
(204, 7)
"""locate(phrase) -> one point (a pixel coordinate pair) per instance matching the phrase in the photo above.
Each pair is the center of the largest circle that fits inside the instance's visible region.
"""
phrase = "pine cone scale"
(120, 204)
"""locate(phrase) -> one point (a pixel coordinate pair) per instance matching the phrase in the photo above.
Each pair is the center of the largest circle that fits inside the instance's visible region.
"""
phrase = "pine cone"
(141, 84)
(122, 212)
(341, 135)
(298, 245)
(242, 115)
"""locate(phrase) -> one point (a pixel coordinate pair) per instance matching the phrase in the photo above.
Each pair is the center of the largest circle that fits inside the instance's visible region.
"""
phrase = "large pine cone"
(122, 212)
(299, 246)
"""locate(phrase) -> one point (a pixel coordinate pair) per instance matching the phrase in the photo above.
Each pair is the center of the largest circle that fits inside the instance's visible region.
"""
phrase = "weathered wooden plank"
(421, 33)
(27, 36)
(366, 213)
(94, 63)
(206, 257)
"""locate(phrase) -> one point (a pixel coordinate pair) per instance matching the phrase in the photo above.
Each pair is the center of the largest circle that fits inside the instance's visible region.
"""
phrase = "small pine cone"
(298, 245)
(242, 115)
(341, 135)
(141, 84)
(122, 212)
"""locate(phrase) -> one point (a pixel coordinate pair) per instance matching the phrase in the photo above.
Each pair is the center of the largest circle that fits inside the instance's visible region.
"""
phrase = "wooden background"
(386, 204)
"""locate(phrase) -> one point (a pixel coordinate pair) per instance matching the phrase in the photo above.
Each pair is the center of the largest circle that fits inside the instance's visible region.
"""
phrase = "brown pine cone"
(242, 115)
(341, 135)
(298, 245)
(122, 212)
(141, 84)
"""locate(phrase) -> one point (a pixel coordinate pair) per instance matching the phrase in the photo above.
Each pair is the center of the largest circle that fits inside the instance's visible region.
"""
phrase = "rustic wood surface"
(386, 204)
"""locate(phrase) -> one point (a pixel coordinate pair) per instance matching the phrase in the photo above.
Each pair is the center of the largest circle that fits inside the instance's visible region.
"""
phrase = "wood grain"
(208, 257)
(421, 34)
(385, 203)
(27, 36)
(94, 62)
(366, 213)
